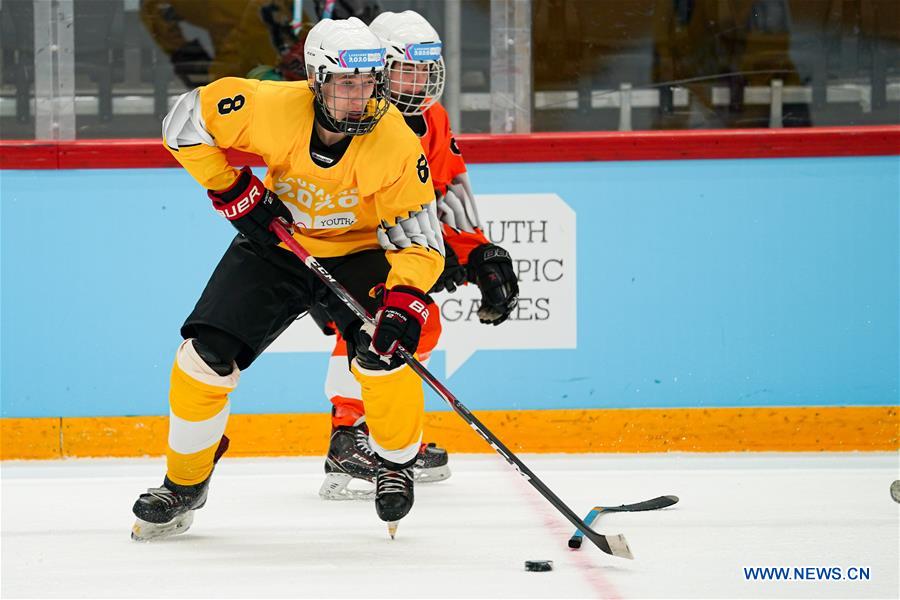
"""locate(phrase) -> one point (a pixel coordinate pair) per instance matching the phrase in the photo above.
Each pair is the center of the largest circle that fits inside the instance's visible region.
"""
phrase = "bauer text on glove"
(399, 321)
(250, 207)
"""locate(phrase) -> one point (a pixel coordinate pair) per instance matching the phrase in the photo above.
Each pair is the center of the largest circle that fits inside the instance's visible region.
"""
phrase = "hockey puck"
(895, 491)
(538, 565)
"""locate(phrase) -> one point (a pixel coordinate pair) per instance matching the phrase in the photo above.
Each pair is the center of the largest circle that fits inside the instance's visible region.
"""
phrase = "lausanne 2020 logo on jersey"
(362, 59)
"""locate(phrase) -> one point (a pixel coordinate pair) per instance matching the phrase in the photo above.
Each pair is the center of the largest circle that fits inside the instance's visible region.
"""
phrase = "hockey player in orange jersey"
(343, 165)
(415, 70)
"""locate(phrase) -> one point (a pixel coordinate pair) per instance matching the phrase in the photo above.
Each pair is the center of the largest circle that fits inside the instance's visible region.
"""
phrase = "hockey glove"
(491, 268)
(250, 207)
(400, 318)
(453, 275)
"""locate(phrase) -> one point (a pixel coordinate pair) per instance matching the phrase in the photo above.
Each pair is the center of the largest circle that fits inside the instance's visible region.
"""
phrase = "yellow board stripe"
(785, 429)
(30, 438)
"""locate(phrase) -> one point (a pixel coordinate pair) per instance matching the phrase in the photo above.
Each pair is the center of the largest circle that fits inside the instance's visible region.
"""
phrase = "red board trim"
(538, 147)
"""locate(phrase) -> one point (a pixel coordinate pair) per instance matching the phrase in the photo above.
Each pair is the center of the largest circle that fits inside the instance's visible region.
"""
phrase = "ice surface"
(265, 532)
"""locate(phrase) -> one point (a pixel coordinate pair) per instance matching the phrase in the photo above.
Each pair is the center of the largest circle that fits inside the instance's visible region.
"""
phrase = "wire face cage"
(353, 103)
(416, 81)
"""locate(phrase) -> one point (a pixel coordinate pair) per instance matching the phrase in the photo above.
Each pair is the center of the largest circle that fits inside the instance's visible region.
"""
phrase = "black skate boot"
(394, 495)
(169, 510)
(431, 464)
(349, 457)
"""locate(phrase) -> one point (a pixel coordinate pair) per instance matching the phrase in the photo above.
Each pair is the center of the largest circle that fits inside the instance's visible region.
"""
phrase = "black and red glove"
(251, 207)
(491, 269)
(399, 320)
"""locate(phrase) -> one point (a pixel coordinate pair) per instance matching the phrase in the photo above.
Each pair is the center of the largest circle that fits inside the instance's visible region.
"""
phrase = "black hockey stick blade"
(653, 504)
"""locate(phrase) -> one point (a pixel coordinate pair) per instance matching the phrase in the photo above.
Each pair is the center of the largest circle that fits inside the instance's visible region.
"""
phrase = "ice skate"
(394, 495)
(431, 464)
(169, 510)
(350, 466)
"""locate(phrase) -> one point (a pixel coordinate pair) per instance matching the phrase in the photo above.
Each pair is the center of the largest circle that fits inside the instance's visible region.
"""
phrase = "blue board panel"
(700, 284)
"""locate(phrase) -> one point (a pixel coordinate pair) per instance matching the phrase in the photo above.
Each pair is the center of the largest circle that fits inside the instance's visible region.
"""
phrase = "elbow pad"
(420, 227)
(457, 207)
(184, 126)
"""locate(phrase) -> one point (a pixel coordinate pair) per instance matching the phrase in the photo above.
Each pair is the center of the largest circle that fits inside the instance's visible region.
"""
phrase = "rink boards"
(785, 429)
(699, 305)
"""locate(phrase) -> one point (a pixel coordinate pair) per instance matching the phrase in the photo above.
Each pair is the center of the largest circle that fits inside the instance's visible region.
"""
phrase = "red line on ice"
(552, 521)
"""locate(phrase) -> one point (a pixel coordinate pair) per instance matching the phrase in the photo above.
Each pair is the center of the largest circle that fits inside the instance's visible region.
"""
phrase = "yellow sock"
(198, 413)
(395, 411)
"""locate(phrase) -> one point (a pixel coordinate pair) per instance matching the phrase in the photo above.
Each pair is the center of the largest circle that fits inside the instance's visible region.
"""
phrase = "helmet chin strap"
(322, 119)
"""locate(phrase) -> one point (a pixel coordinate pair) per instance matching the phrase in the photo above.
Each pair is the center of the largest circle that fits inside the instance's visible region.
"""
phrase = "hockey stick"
(654, 504)
(614, 545)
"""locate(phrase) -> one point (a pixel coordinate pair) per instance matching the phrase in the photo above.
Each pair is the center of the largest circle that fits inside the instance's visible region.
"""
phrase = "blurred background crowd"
(570, 65)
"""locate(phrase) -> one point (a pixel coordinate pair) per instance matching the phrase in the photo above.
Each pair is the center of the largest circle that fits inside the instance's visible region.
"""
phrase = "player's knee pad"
(193, 368)
(217, 349)
(212, 359)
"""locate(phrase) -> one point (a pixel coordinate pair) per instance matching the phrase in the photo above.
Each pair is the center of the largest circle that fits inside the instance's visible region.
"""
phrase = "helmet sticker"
(362, 59)
(424, 52)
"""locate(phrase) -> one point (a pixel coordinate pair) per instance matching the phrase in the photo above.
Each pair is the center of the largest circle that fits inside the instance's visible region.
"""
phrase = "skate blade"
(392, 528)
(142, 531)
(337, 487)
(431, 475)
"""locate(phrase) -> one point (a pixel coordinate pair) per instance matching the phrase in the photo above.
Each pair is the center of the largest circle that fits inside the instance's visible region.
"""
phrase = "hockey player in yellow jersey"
(343, 165)
(415, 72)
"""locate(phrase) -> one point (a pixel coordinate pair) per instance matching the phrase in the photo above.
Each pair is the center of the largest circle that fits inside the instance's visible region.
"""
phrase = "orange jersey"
(463, 242)
(440, 147)
(446, 164)
(381, 178)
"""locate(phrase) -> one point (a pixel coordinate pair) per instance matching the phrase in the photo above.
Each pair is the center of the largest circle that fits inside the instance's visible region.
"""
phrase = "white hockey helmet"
(346, 47)
(415, 65)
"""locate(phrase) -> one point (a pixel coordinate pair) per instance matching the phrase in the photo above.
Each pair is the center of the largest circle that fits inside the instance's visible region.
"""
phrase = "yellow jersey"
(382, 177)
